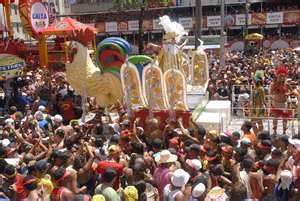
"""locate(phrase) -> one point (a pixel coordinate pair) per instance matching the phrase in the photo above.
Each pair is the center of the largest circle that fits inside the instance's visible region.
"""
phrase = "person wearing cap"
(161, 174)
(113, 161)
(174, 190)
(61, 192)
(105, 188)
(198, 192)
(130, 193)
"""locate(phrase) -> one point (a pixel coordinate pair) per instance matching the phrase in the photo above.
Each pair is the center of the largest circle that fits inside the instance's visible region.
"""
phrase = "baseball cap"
(198, 190)
(295, 143)
(194, 163)
(113, 149)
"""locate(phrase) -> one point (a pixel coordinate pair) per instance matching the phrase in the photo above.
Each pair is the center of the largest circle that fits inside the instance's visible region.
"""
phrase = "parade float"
(158, 87)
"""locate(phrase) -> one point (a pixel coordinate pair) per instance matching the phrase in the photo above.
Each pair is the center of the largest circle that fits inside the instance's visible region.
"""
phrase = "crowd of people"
(49, 152)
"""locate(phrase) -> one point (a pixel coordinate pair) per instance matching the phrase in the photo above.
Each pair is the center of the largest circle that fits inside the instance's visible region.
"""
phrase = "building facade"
(269, 17)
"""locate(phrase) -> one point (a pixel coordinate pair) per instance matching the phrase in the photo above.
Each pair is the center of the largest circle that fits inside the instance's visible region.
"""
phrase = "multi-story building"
(279, 18)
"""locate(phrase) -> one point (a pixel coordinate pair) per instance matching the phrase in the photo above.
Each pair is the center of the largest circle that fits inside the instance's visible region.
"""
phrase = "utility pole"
(222, 50)
(198, 31)
(246, 24)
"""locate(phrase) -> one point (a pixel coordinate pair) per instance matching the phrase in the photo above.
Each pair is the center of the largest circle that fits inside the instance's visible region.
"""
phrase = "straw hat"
(216, 194)
(165, 156)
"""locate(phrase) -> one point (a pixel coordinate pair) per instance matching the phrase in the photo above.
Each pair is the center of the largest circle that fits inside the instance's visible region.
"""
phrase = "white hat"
(5, 142)
(180, 178)
(165, 156)
(39, 115)
(57, 118)
(194, 163)
(286, 178)
(9, 121)
(198, 190)
(42, 108)
(295, 143)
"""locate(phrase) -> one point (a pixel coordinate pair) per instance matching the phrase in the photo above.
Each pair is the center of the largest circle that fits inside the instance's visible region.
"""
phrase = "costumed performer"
(171, 55)
(280, 92)
(258, 102)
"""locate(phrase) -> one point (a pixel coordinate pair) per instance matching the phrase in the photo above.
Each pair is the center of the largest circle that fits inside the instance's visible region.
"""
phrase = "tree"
(142, 6)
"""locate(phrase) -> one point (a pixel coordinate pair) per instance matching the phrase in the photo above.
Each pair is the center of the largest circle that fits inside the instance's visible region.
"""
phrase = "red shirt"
(67, 110)
(20, 193)
(103, 165)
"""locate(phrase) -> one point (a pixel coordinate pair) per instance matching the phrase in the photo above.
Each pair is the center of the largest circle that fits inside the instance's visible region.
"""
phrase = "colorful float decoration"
(111, 54)
(175, 89)
(10, 66)
(200, 71)
(154, 87)
(132, 87)
(91, 81)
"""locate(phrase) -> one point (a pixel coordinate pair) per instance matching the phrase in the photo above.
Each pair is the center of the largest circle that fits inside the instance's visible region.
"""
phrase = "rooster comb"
(281, 69)
(83, 36)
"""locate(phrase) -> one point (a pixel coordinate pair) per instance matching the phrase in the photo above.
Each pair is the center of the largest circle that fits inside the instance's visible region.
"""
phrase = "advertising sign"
(291, 17)
(10, 66)
(186, 22)
(275, 18)
(133, 25)
(240, 19)
(34, 17)
(147, 25)
(157, 25)
(258, 18)
(122, 26)
(39, 17)
(111, 27)
(100, 26)
(213, 21)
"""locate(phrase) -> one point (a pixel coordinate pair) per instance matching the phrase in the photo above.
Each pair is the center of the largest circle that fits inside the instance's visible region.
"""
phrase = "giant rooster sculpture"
(86, 78)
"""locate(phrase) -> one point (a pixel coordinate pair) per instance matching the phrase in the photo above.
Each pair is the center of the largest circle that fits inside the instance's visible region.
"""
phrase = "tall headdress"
(282, 70)
(172, 29)
(259, 76)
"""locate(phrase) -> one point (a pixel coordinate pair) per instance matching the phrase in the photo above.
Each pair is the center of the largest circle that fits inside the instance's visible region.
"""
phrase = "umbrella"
(254, 36)
(66, 26)
(10, 66)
